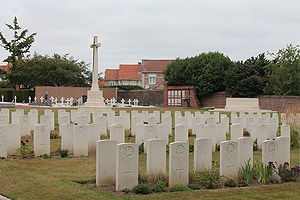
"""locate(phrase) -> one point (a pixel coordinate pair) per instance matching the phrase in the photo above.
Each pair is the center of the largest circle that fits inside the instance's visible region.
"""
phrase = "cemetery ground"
(74, 178)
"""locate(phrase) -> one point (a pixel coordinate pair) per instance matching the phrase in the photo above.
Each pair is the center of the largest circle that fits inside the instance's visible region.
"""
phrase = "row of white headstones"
(70, 101)
(80, 137)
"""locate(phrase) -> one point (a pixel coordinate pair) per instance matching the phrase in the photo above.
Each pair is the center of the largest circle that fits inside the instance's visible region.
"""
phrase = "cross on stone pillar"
(122, 101)
(129, 101)
(94, 46)
(42, 99)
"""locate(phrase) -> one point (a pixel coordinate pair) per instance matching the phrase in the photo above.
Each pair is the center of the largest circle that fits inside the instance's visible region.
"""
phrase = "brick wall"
(145, 97)
(68, 92)
(278, 103)
(216, 100)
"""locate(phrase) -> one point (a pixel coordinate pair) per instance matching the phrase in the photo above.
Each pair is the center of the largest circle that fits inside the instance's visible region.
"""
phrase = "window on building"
(174, 97)
(125, 83)
(132, 83)
(152, 79)
(111, 83)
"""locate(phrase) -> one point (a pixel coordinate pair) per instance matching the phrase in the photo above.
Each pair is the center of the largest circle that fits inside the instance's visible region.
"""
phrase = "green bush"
(206, 179)
(263, 172)
(24, 149)
(63, 152)
(178, 188)
(141, 148)
(191, 148)
(230, 183)
(286, 174)
(142, 189)
(160, 187)
(194, 186)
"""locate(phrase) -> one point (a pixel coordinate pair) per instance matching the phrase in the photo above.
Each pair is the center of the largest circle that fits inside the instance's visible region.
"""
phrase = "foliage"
(153, 178)
(205, 71)
(125, 87)
(141, 148)
(179, 188)
(63, 152)
(160, 187)
(205, 179)
(191, 148)
(19, 45)
(217, 147)
(247, 173)
(22, 95)
(24, 149)
(284, 72)
(142, 189)
(255, 146)
(287, 174)
(294, 139)
(229, 183)
(46, 70)
(247, 79)
(194, 186)
(46, 156)
(263, 172)
(292, 118)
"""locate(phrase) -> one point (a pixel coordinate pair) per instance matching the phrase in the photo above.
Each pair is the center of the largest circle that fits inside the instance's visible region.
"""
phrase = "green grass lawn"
(57, 178)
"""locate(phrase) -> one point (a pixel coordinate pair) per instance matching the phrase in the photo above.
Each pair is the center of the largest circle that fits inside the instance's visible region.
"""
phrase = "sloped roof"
(5, 67)
(155, 65)
(129, 71)
(111, 74)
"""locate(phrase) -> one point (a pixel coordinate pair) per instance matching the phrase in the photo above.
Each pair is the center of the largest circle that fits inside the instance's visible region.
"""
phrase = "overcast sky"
(131, 30)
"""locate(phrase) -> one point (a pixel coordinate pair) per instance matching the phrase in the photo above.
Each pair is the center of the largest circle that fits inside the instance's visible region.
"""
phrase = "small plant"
(246, 133)
(255, 147)
(24, 149)
(263, 172)
(191, 148)
(46, 156)
(54, 135)
(247, 173)
(63, 152)
(178, 188)
(230, 183)
(160, 187)
(217, 147)
(154, 178)
(142, 189)
(194, 186)
(205, 179)
(167, 148)
(141, 148)
(286, 174)
(126, 190)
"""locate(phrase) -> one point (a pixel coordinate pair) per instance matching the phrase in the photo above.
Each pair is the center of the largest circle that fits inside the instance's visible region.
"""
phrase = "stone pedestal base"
(95, 102)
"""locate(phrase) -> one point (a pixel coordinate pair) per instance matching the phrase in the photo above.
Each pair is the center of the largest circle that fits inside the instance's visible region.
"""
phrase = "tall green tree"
(284, 72)
(19, 45)
(248, 78)
(205, 71)
(46, 70)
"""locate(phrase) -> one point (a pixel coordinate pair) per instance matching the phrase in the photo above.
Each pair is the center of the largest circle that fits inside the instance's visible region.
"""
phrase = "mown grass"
(57, 178)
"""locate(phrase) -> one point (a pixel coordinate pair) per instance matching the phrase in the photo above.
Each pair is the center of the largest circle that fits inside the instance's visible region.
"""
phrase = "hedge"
(22, 95)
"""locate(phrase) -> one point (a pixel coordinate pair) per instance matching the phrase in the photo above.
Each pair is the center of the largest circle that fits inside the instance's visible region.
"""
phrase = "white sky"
(131, 30)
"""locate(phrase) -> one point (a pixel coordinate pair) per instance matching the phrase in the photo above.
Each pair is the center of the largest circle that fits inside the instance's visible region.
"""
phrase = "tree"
(19, 45)
(284, 72)
(205, 71)
(247, 79)
(49, 71)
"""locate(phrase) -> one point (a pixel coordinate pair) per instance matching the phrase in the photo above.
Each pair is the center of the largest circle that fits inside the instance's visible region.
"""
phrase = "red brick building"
(148, 74)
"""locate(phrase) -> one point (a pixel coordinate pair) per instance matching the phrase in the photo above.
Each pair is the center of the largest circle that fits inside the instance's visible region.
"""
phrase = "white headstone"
(25, 124)
(269, 151)
(41, 140)
(139, 136)
(229, 159)
(245, 150)
(156, 156)
(117, 133)
(202, 154)
(181, 133)
(236, 131)
(134, 121)
(150, 132)
(106, 162)
(3, 142)
(126, 166)
(13, 138)
(179, 163)
(80, 140)
(101, 121)
(94, 136)
(66, 132)
(283, 150)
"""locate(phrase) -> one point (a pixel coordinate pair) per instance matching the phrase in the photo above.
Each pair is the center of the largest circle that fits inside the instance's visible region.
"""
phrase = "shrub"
(160, 187)
(63, 152)
(46, 156)
(141, 148)
(206, 179)
(255, 147)
(287, 174)
(24, 150)
(153, 178)
(178, 188)
(191, 148)
(142, 189)
(194, 186)
(230, 183)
